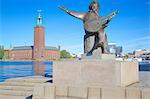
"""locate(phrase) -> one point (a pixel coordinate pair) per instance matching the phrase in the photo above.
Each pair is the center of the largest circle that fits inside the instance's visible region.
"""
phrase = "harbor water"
(11, 69)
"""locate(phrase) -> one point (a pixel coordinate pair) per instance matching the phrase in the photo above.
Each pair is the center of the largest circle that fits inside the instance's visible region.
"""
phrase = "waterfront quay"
(38, 87)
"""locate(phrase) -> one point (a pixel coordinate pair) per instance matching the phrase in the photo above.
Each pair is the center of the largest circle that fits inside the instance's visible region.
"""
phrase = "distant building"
(114, 49)
(145, 57)
(39, 50)
(139, 53)
(119, 50)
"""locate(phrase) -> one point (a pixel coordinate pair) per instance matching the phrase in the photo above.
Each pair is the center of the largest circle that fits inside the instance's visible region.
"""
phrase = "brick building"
(39, 50)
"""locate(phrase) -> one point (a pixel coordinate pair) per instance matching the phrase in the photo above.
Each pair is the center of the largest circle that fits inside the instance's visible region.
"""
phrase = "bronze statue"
(94, 26)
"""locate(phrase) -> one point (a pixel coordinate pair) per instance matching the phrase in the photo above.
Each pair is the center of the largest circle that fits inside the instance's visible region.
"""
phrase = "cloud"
(144, 38)
(135, 41)
(139, 43)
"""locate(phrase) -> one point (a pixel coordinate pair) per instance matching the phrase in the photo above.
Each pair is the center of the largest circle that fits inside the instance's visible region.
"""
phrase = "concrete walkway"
(20, 88)
(144, 80)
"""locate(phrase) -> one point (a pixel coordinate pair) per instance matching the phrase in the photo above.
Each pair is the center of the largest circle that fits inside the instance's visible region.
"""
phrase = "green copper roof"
(23, 48)
(31, 47)
(51, 48)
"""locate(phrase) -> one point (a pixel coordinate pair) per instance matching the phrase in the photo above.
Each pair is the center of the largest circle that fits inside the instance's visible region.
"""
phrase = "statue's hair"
(94, 2)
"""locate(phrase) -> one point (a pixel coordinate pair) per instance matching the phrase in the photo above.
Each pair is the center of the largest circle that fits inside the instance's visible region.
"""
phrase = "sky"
(129, 29)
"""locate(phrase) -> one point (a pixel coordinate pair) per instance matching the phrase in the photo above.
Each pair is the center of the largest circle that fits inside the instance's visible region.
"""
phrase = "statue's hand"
(64, 9)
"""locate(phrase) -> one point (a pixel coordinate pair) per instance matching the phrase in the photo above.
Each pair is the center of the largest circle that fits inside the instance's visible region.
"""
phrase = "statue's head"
(94, 5)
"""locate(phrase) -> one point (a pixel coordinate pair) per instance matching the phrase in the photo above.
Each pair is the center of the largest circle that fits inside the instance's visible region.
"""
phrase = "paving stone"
(62, 97)
(25, 88)
(15, 93)
(61, 90)
(113, 93)
(94, 93)
(41, 98)
(133, 93)
(80, 92)
(49, 91)
(12, 97)
(146, 93)
(39, 90)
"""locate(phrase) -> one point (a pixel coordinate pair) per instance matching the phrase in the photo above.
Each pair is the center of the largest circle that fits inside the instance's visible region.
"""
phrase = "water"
(144, 66)
(23, 69)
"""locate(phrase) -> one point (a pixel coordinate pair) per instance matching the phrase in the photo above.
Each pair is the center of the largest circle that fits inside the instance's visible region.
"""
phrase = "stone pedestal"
(95, 73)
(99, 56)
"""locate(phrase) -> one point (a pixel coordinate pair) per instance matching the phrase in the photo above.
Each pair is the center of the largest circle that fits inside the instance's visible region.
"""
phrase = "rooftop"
(31, 47)
(22, 48)
(51, 48)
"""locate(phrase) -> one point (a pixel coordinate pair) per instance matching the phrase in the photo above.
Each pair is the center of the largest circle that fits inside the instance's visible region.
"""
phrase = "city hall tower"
(39, 39)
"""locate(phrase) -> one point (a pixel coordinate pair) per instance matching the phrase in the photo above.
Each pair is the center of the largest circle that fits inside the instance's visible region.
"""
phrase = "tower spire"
(39, 18)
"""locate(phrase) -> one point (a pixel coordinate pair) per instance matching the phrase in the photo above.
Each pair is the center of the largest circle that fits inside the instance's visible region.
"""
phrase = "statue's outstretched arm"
(79, 15)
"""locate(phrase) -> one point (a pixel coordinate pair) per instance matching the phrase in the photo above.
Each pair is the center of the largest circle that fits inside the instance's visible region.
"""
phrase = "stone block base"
(88, 92)
(95, 72)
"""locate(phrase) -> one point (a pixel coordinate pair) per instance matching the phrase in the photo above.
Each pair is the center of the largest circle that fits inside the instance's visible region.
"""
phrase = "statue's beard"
(95, 11)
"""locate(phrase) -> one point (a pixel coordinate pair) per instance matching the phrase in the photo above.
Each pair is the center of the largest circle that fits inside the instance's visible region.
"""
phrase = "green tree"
(65, 54)
(126, 56)
(1, 52)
